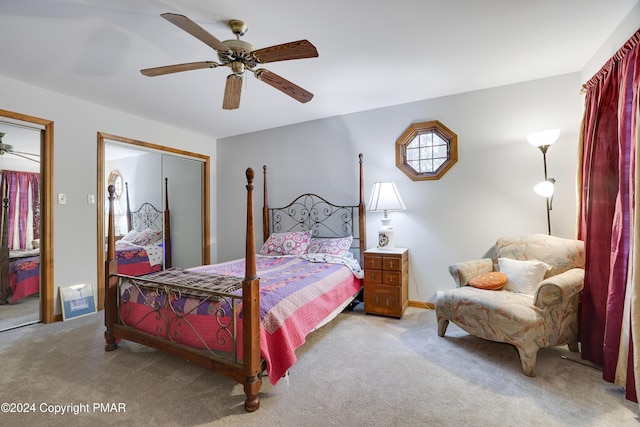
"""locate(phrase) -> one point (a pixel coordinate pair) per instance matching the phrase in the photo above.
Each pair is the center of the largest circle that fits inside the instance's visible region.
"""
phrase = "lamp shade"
(543, 137)
(385, 197)
(544, 188)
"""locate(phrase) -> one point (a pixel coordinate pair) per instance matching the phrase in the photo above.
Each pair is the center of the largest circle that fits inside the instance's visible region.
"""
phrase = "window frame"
(412, 132)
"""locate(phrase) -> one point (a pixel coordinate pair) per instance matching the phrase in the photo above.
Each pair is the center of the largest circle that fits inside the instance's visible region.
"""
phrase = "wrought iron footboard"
(220, 340)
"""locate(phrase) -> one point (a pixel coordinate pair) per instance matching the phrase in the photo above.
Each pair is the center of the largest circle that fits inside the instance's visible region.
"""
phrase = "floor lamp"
(543, 141)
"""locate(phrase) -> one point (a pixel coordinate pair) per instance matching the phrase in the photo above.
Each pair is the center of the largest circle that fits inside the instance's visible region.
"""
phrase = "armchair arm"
(559, 288)
(462, 272)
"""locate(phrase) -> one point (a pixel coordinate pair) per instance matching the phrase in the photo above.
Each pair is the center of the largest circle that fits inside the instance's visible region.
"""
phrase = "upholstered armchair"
(530, 315)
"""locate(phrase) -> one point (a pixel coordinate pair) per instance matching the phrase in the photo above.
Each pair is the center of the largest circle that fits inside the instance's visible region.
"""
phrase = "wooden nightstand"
(386, 277)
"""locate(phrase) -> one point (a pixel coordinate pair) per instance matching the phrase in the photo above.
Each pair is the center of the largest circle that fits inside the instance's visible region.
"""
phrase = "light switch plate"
(62, 199)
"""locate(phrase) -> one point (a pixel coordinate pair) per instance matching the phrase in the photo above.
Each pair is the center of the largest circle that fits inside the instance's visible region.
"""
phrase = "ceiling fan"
(8, 149)
(240, 56)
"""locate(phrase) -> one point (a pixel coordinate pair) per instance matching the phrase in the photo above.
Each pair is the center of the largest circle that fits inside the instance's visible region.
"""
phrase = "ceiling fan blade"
(24, 157)
(284, 85)
(232, 91)
(168, 69)
(196, 31)
(22, 152)
(284, 52)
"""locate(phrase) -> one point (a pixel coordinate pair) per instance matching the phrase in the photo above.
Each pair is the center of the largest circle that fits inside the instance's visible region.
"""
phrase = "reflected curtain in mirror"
(23, 191)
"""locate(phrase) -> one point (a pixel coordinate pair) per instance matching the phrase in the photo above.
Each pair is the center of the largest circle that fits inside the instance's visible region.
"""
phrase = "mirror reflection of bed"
(146, 246)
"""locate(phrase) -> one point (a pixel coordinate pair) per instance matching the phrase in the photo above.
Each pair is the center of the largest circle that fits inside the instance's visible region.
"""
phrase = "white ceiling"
(372, 54)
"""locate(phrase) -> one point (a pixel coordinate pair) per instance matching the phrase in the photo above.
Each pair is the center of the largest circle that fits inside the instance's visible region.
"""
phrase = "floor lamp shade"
(384, 198)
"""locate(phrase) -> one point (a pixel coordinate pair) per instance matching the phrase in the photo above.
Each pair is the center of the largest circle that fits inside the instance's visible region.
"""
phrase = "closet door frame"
(102, 195)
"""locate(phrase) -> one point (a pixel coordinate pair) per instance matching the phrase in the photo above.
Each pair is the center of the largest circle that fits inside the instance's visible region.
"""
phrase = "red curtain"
(607, 211)
(23, 187)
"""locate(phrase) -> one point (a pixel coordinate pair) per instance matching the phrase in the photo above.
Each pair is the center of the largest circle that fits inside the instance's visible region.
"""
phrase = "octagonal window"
(426, 150)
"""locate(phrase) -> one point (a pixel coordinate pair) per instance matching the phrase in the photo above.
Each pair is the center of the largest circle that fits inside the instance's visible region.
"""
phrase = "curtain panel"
(22, 189)
(608, 219)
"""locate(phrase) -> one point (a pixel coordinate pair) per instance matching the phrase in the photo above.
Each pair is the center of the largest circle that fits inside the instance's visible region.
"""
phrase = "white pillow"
(523, 276)
(130, 236)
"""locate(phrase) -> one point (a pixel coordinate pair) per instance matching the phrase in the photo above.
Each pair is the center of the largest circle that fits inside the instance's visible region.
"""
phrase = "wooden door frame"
(46, 213)
(102, 195)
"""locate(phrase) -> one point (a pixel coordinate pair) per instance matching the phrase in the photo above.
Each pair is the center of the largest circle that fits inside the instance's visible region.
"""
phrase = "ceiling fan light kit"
(240, 55)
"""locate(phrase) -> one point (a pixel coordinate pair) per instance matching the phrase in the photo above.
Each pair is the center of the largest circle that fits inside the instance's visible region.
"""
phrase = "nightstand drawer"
(372, 262)
(394, 264)
(383, 300)
(373, 276)
(393, 278)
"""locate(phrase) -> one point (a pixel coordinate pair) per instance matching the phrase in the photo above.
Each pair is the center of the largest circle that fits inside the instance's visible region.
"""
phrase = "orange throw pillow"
(492, 281)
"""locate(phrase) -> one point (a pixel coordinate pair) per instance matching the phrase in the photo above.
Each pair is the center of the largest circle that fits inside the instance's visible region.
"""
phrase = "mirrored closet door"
(20, 224)
(160, 192)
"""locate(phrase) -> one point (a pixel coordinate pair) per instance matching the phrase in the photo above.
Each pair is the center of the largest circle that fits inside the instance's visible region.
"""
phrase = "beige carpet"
(359, 370)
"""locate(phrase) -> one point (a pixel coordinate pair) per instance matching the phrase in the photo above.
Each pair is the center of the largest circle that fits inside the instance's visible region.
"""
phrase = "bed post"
(167, 226)
(266, 227)
(4, 254)
(362, 215)
(129, 224)
(251, 310)
(111, 280)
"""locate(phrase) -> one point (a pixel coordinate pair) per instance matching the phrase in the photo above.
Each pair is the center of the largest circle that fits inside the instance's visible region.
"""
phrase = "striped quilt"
(296, 295)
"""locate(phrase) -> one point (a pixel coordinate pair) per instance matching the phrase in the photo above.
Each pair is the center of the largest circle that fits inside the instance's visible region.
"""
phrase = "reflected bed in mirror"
(145, 248)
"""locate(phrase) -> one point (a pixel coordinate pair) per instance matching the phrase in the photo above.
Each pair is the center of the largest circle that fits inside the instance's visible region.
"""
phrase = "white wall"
(76, 124)
(486, 194)
(629, 25)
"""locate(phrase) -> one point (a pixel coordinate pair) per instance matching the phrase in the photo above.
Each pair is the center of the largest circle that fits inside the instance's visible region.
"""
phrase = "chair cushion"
(491, 281)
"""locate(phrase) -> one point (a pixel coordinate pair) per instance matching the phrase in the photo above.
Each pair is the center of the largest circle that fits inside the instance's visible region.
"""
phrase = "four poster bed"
(247, 316)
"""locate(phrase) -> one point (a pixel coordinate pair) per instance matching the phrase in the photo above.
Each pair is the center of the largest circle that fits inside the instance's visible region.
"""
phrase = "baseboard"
(420, 304)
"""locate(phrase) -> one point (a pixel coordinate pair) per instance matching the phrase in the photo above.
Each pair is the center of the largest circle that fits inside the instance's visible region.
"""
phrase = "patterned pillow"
(523, 276)
(491, 281)
(333, 246)
(290, 243)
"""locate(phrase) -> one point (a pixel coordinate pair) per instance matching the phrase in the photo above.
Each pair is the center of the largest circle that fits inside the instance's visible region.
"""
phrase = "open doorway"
(25, 220)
